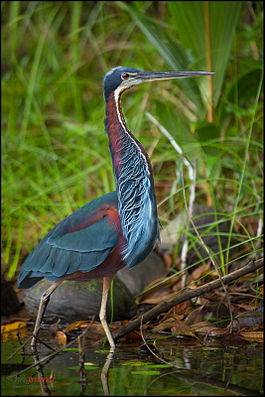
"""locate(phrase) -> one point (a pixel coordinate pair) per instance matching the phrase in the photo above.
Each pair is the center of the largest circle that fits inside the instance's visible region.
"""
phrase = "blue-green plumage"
(80, 242)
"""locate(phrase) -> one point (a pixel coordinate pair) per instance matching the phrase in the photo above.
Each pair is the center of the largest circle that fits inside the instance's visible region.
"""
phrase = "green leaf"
(145, 373)
(207, 29)
(87, 367)
(160, 365)
(246, 87)
(209, 136)
(178, 127)
(71, 349)
(170, 50)
(134, 363)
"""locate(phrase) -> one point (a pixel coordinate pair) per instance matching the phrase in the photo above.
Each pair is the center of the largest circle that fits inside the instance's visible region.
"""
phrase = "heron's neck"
(123, 145)
(134, 183)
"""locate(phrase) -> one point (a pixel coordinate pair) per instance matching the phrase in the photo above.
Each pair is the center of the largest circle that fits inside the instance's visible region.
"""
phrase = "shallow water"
(198, 370)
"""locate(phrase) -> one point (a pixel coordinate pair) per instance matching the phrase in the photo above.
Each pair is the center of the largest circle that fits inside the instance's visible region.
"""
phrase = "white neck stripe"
(117, 95)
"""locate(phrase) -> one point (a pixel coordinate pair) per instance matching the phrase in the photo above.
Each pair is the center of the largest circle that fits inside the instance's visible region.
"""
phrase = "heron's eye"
(125, 76)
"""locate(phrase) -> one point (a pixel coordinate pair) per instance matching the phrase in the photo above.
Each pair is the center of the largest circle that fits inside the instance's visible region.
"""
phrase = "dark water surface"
(198, 371)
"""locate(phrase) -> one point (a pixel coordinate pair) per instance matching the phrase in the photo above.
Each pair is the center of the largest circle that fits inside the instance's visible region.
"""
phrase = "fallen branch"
(187, 295)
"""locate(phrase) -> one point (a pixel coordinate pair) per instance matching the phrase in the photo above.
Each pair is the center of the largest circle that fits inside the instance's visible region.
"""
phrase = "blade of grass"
(34, 75)
(243, 172)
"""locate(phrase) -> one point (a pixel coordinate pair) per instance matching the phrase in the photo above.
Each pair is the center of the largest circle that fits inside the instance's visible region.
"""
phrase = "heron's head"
(122, 78)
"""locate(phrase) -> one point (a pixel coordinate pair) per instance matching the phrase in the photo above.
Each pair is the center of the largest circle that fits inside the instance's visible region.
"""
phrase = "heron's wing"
(81, 242)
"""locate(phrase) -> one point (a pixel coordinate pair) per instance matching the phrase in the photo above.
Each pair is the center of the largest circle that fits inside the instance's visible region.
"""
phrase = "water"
(198, 371)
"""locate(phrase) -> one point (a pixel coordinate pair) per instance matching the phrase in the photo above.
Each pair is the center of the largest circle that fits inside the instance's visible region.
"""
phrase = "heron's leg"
(102, 314)
(42, 307)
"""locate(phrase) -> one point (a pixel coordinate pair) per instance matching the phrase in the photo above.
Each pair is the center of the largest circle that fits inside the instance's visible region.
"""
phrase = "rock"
(74, 300)
(203, 218)
(137, 278)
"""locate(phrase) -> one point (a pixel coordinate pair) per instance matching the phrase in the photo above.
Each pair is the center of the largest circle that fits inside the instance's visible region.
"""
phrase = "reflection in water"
(201, 371)
(104, 373)
(45, 391)
(82, 371)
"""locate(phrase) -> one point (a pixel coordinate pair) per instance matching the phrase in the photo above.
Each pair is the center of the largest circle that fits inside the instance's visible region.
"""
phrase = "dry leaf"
(15, 326)
(154, 300)
(166, 324)
(9, 331)
(204, 328)
(176, 326)
(168, 260)
(154, 294)
(199, 271)
(77, 324)
(61, 338)
(180, 328)
(132, 336)
(183, 308)
(244, 306)
(252, 336)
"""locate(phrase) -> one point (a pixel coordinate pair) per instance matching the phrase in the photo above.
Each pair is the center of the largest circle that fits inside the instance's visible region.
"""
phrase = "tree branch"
(188, 294)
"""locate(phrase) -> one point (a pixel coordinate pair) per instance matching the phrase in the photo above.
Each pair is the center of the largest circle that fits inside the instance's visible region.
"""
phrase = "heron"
(115, 230)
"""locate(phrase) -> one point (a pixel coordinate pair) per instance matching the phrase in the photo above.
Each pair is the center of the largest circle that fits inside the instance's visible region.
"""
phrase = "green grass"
(55, 155)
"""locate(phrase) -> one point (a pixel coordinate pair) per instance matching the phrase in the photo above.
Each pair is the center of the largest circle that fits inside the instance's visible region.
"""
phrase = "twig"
(20, 347)
(44, 343)
(189, 210)
(151, 351)
(187, 295)
(24, 344)
(260, 223)
(45, 391)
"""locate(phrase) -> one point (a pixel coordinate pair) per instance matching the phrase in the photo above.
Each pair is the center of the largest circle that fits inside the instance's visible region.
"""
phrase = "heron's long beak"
(153, 76)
